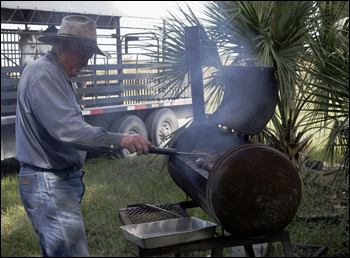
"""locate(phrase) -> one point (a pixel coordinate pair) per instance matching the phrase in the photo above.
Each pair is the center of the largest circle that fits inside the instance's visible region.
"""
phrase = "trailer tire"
(160, 124)
(129, 124)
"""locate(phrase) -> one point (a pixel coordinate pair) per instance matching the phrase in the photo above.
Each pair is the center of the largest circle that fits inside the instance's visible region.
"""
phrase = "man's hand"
(135, 142)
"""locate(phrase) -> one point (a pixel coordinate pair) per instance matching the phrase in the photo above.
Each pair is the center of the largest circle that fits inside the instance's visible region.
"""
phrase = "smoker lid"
(249, 99)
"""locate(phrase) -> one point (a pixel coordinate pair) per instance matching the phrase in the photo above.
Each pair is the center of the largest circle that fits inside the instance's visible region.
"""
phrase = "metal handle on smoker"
(165, 151)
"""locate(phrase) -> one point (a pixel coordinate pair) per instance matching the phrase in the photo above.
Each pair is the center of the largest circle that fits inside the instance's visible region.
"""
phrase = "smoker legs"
(219, 252)
(287, 248)
(249, 250)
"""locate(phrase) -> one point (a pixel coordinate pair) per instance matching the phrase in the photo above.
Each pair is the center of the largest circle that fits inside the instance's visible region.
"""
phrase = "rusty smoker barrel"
(252, 190)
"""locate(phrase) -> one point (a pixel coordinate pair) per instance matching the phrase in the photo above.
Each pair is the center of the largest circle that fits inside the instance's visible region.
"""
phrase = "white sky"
(156, 9)
(149, 9)
(128, 9)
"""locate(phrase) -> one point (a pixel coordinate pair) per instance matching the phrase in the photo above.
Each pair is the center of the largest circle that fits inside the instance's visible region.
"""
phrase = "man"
(52, 138)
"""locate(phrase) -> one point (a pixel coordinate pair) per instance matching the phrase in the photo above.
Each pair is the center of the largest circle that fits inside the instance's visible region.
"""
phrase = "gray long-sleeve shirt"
(50, 129)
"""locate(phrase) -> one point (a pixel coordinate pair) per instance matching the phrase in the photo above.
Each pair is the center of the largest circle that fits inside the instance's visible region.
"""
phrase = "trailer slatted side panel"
(108, 89)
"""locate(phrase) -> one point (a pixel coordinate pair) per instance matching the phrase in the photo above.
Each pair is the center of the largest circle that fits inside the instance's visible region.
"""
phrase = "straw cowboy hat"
(77, 28)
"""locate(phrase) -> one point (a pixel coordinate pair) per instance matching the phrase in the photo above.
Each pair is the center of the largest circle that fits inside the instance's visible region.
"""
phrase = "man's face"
(74, 57)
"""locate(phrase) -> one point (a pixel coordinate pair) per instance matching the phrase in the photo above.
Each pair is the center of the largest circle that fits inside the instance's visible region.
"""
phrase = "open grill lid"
(249, 100)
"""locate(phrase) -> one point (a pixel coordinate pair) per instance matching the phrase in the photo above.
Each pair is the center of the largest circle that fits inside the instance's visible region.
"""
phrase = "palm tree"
(296, 38)
(329, 55)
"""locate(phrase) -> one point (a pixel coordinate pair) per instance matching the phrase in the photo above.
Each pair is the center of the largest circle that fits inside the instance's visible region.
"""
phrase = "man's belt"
(27, 167)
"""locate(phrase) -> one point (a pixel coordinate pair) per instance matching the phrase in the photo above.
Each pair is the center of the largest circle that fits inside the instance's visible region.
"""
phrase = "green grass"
(113, 183)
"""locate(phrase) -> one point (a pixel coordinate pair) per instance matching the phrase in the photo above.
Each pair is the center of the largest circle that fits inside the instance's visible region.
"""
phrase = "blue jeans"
(52, 202)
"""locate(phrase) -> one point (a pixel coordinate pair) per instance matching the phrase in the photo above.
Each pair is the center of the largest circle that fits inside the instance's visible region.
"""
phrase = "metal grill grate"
(304, 250)
(137, 215)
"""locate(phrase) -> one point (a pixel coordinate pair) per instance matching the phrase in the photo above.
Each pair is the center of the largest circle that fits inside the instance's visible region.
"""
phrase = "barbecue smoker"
(251, 190)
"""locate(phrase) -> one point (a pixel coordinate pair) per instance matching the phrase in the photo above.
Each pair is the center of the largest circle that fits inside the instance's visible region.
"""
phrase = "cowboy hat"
(77, 28)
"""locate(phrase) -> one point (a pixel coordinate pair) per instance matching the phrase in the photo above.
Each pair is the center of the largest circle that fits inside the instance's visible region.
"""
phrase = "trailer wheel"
(160, 124)
(129, 124)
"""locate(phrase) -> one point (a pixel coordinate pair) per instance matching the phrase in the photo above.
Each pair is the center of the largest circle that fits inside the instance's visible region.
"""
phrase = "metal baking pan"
(168, 232)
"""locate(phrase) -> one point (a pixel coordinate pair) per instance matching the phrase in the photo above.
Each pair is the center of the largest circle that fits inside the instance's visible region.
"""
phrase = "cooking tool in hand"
(172, 151)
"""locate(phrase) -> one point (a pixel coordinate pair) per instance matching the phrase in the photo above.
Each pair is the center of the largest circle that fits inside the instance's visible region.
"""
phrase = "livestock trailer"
(121, 94)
